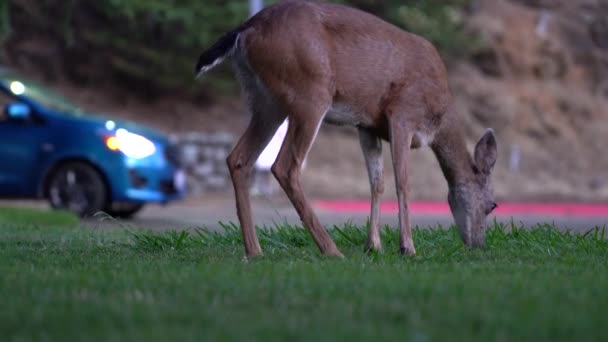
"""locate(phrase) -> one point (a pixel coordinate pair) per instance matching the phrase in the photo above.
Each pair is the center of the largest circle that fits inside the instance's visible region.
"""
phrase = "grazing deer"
(316, 62)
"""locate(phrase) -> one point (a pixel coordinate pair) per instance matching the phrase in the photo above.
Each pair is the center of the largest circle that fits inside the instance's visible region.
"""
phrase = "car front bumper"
(156, 189)
(152, 179)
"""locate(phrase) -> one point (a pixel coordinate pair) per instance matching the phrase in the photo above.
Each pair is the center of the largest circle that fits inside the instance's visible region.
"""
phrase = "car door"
(20, 151)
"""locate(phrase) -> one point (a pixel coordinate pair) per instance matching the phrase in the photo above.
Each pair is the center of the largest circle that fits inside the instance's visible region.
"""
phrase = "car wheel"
(77, 187)
(124, 210)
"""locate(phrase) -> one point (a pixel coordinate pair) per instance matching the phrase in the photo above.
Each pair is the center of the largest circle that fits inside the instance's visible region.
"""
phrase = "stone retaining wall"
(203, 157)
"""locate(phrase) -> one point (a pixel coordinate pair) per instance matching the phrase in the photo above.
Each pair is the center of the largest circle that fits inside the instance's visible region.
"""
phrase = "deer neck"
(451, 151)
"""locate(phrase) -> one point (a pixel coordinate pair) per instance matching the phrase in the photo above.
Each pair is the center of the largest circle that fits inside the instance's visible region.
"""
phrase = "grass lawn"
(61, 282)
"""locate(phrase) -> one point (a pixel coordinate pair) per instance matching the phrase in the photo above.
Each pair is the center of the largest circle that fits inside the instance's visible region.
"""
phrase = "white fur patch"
(314, 137)
(423, 139)
(219, 60)
(209, 67)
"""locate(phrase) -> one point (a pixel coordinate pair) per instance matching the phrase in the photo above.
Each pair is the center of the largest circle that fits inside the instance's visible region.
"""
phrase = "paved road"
(209, 213)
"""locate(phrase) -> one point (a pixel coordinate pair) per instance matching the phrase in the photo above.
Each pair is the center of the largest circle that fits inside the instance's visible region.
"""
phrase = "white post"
(515, 158)
(255, 6)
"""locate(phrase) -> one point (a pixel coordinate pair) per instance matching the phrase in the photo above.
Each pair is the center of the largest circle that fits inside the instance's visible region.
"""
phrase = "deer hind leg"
(372, 151)
(303, 127)
(240, 163)
(401, 139)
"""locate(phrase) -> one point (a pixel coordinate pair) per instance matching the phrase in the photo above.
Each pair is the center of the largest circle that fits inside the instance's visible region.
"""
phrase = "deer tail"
(216, 54)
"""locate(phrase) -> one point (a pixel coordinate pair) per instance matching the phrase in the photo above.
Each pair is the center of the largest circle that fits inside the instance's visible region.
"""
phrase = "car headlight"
(131, 144)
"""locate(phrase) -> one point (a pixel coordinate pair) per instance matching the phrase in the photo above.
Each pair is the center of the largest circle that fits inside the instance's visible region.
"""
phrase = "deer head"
(472, 200)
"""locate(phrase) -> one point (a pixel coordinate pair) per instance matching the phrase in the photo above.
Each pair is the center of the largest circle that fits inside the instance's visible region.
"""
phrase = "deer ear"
(485, 152)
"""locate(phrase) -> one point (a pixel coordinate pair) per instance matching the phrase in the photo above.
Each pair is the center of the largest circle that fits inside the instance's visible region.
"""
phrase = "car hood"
(133, 127)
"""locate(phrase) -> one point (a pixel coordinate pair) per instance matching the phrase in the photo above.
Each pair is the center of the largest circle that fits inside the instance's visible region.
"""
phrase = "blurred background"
(534, 70)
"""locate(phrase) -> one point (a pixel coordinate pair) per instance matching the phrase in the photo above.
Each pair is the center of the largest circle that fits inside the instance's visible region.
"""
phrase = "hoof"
(372, 249)
(254, 254)
(334, 254)
(373, 245)
(407, 251)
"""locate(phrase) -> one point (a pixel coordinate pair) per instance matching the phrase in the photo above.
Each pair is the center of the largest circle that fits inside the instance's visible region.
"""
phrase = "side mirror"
(18, 111)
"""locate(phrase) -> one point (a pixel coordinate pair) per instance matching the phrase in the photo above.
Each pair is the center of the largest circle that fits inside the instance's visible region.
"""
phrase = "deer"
(315, 62)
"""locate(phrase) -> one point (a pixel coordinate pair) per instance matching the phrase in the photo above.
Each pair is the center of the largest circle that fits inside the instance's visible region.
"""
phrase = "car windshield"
(37, 93)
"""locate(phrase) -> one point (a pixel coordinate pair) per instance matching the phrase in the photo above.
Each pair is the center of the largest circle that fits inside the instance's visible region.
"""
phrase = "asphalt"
(208, 213)
(574, 217)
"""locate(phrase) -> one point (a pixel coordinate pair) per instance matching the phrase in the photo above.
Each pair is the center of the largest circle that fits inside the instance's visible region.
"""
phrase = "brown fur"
(313, 61)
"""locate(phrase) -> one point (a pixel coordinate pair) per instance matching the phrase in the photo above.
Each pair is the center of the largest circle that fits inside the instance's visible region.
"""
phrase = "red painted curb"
(507, 209)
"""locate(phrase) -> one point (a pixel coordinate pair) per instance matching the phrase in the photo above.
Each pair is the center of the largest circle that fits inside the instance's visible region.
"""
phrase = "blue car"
(80, 162)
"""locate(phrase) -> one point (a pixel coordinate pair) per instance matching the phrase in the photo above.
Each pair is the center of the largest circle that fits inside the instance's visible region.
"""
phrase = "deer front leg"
(401, 140)
(301, 133)
(240, 163)
(372, 151)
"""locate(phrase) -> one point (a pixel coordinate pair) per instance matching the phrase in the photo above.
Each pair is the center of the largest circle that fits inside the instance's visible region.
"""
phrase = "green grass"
(61, 282)
(29, 217)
